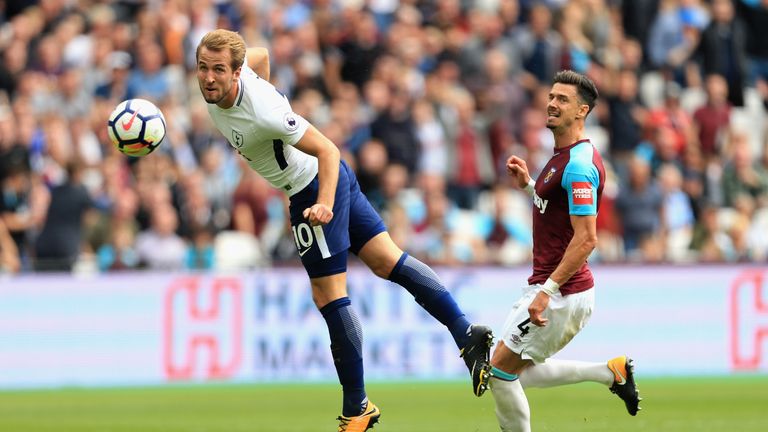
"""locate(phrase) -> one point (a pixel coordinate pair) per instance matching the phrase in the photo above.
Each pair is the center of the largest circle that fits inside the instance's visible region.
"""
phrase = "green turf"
(693, 404)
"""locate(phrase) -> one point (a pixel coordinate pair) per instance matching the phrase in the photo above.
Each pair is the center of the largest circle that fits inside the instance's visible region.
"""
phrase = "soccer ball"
(136, 127)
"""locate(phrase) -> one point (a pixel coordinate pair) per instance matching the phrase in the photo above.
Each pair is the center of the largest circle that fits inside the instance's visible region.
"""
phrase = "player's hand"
(517, 168)
(318, 214)
(537, 308)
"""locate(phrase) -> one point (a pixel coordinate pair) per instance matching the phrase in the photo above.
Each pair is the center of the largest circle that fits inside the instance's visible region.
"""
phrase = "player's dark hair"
(585, 87)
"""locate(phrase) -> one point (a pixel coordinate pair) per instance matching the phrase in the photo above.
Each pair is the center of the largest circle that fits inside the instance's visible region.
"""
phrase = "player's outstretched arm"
(328, 158)
(258, 60)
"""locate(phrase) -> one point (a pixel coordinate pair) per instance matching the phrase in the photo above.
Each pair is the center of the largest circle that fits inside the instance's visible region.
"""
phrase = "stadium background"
(426, 99)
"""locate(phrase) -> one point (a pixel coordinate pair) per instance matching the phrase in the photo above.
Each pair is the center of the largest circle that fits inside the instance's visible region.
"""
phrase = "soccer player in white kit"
(559, 299)
(329, 214)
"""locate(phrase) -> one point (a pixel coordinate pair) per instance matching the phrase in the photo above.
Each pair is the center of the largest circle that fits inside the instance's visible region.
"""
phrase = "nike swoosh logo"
(127, 126)
(622, 379)
(301, 253)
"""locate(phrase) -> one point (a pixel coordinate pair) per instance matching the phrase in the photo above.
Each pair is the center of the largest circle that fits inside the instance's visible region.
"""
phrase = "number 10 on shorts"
(305, 236)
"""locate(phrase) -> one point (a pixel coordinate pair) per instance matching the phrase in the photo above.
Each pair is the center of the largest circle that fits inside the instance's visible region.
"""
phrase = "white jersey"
(264, 129)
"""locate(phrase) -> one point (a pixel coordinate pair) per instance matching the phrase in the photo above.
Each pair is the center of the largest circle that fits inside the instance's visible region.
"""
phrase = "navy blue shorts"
(323, 248)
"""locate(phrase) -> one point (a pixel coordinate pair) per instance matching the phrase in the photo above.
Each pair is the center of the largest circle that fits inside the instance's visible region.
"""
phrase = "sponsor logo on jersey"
(582, 193)
(237, 138)
(540, 204)
(290, 121)
(549, 174)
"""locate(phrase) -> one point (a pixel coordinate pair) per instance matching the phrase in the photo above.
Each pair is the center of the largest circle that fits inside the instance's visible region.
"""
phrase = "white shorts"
(567, 315)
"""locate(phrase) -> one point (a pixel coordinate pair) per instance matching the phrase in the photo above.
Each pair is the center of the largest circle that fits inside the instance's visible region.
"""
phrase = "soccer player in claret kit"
(560, 296)
(329, 214)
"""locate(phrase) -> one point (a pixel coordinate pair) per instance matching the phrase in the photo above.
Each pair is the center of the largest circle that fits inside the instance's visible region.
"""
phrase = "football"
(136, 127)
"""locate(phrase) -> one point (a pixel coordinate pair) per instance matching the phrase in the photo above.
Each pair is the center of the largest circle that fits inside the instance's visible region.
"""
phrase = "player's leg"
(330, 296)
(572, 313)
(512, 410)
(554, 372)
(323, 252)
(524, 345)
(388, 261)
(371, 242)
(507, 363)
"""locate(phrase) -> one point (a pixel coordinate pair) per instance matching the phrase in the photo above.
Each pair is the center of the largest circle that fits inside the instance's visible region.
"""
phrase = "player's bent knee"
(329, 288)
(383, 270)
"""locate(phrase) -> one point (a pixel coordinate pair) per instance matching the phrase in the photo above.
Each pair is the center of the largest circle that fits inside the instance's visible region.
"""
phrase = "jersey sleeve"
(580, 181)
(279, 122)
(285, 125)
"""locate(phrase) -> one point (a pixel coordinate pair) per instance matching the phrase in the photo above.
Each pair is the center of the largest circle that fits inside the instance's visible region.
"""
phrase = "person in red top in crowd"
(672, 115)
(714, 116)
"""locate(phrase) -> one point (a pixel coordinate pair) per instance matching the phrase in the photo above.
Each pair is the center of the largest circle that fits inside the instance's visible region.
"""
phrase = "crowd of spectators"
(425, 98)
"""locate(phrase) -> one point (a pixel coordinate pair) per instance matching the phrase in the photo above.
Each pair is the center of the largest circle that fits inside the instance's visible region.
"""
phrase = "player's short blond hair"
(221, 39)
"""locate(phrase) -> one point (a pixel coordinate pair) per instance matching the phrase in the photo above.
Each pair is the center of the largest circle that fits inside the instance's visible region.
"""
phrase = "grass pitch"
(670, 405)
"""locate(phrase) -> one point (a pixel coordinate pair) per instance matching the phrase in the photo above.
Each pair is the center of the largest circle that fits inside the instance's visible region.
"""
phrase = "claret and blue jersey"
(571, 183)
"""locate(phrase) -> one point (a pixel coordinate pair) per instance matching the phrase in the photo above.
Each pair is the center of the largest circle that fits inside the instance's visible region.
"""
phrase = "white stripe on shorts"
(321, 243)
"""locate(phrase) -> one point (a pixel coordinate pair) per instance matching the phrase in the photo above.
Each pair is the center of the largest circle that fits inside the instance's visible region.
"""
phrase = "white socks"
(561, 372)
(512, 409)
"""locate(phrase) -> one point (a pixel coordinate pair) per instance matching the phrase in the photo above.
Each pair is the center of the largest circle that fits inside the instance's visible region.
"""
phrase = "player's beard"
(564, 124)
(224, 93)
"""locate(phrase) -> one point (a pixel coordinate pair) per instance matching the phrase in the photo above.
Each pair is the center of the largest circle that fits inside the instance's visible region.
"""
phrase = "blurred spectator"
(509, 239)
(640, 206)
(740, 176)
(119, 252)
(16, 206)
(431, 237)
(249, 203)
(149, 80)
(754, 13)
(723, 49)
(710, 242)
(715, 116)
(469, 156)
(59, 243)
(486, 33)
(674, 35)
(625, 115)
(694, 179)
(502, 102)
(361, 50)
(431, 135)
(393, 180)
(159, 247)
(637, 17)
(540, 45)
(396, 129)
(10, 261)
(672, 117)
(12, 67)
(200, 253)
(372, 161)
(678, 215)
(115, 89)
(661, 149)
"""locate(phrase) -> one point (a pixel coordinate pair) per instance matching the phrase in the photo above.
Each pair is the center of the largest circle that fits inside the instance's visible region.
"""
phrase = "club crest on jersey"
(290, 122)
(237, 138)
(549, 174)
